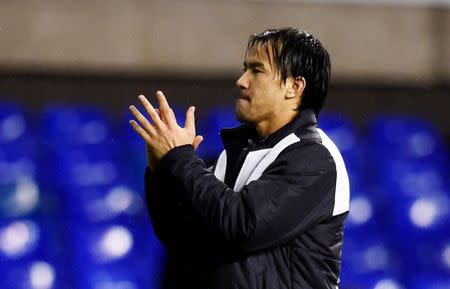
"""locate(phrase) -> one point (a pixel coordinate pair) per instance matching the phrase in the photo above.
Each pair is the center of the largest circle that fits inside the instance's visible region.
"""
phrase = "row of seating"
(72, 208)
(397, 233)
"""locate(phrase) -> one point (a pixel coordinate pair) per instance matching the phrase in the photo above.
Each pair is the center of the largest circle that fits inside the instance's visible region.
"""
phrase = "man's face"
(261, 89)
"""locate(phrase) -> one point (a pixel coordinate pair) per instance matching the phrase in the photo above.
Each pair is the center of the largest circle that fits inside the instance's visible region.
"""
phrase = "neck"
(270, 126)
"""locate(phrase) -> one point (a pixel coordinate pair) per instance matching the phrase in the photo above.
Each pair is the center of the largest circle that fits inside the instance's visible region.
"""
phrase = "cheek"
(267, 96)
(270, 102)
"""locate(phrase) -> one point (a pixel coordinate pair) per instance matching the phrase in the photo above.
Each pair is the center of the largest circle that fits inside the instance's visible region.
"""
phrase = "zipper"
(238, 164)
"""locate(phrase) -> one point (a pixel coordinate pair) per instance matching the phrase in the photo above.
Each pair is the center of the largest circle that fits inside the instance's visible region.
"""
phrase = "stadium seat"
(362, 218)
(13, 125)
(63, 127)
(410, 178)
(33, 274)
(17, 140)
(369, 254)
(372, 281)
(430, 281)
(424, 220)
(107, 203)
(31, 251)
(16, 167)
(78, 167)
(406, 137)
(115, 253)
(344, 134)
(19, 197)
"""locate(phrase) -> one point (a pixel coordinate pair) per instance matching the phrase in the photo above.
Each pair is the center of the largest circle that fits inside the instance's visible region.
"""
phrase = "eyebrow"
(253, 64)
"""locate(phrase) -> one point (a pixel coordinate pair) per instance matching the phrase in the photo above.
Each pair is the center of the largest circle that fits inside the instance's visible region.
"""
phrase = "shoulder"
(307, 155)
(314, 151)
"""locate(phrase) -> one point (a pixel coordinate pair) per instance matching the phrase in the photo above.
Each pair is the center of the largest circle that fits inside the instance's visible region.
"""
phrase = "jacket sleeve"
(175, 223)
(295, 193)
(162, 211)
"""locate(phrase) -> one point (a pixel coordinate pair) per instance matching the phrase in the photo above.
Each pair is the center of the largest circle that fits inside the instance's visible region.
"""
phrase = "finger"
(190, 119)
(140, 131)
(161, 116)
(198, 139)
(151, 111)
(166, 112)
(163, 104)
(142, 120)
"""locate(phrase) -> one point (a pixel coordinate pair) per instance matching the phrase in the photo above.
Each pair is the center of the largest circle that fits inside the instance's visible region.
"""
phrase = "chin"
(241, 117)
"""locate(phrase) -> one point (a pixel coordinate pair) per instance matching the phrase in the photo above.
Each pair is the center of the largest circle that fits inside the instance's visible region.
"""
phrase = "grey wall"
(393, 44)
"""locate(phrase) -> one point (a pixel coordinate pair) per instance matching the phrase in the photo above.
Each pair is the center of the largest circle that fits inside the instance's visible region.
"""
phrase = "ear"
(295, 86)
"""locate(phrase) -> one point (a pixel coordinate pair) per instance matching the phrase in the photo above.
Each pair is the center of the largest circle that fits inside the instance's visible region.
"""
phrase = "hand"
(165, 133)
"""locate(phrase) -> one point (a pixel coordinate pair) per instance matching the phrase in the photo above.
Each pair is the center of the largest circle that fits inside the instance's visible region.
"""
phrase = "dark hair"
(298, 53)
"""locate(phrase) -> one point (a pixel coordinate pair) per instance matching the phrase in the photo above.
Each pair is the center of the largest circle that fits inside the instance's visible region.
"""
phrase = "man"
(270, 213)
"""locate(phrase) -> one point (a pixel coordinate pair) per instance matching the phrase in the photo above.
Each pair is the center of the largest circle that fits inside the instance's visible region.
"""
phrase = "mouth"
(244, 97)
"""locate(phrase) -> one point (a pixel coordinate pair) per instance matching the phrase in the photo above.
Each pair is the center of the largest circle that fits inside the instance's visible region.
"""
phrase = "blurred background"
(72, 209)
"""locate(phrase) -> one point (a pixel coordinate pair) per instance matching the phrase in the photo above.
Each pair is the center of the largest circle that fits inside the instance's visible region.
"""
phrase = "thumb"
(197, 140)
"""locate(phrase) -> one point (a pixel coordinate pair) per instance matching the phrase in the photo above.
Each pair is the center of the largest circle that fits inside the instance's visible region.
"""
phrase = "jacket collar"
(246, 134)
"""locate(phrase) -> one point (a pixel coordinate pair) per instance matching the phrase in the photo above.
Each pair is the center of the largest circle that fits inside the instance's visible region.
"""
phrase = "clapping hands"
(163, 133)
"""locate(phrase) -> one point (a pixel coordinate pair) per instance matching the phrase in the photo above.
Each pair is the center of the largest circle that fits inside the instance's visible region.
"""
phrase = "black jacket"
(270, 214)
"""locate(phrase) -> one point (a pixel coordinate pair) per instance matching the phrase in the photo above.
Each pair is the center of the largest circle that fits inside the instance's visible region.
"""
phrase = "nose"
(242, 82)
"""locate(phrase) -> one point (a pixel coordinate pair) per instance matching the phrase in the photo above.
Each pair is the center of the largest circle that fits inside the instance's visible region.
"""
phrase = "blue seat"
(20, 239)
(30, 237)
(407, 164)
(13, 124)
(421, 215)
(22, 194)
(15, 168)
(406, 137)
(33, 274)
(344, 134)
(79, 167)
(80, 148)
(84, 127)
(17, 140)
(20, 197)
(133, 158)
(372, 281)
(107, 203)
(410, 178)
(115, 253)
(419, 231)
(433, 254)
(31, 253)
(110, 237)
(430, 281)
(363, 255)
(340, 129)
(364, 214)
